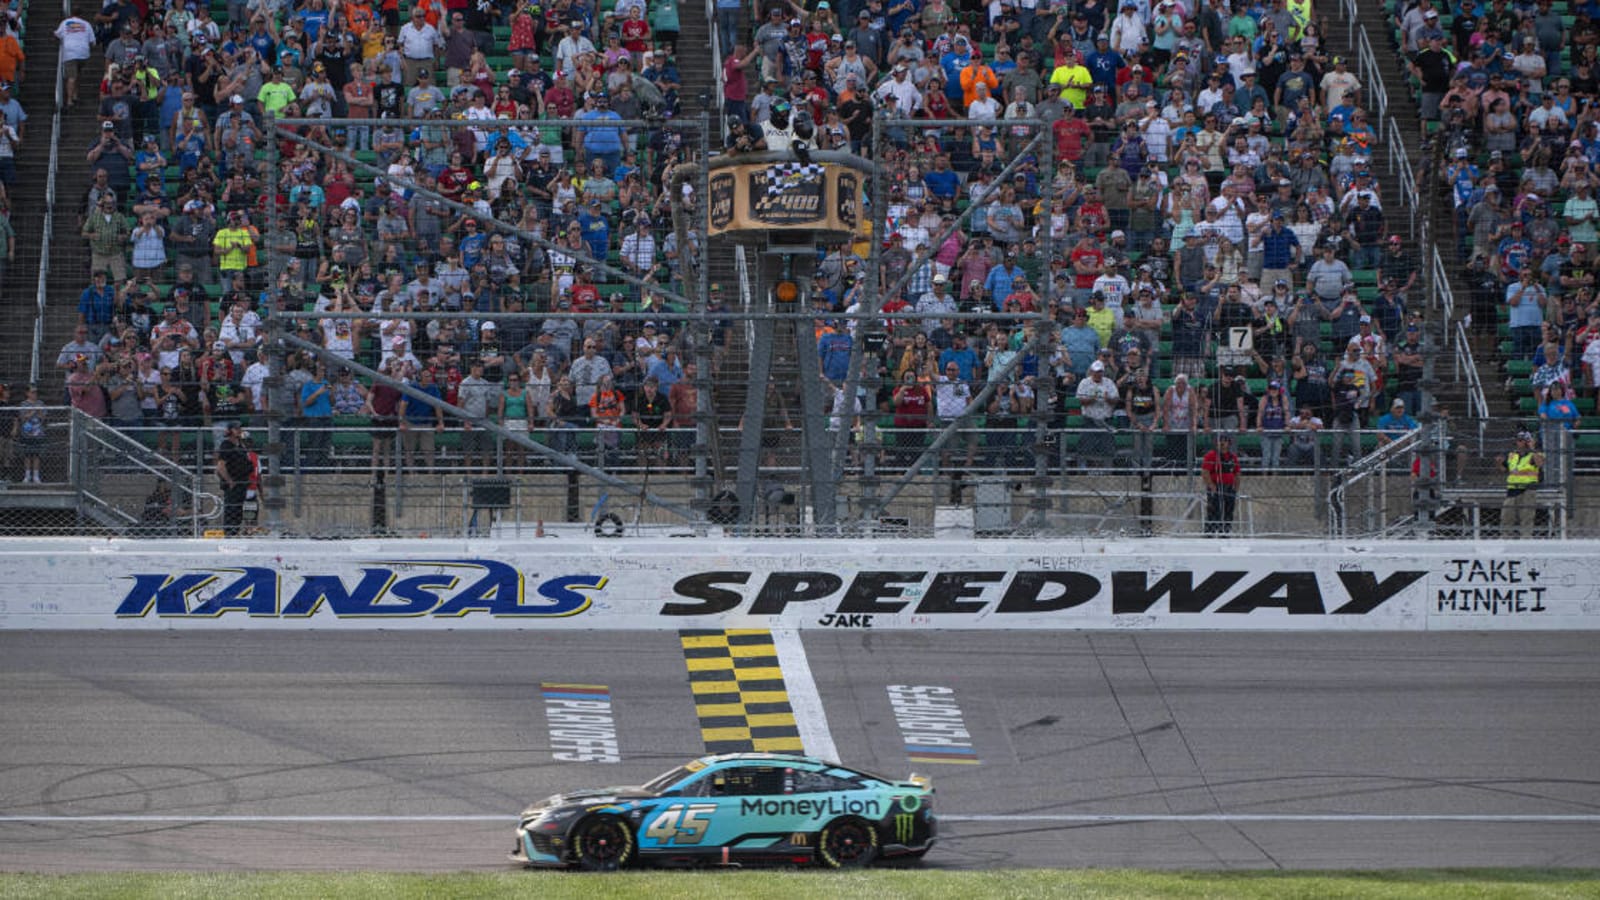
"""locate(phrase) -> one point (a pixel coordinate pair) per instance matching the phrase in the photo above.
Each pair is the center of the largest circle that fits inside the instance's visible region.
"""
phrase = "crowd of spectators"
(1508, 97)
(196, 242)
(1210, 170)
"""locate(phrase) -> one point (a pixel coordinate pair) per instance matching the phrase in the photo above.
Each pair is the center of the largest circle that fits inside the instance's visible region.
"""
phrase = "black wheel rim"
(604, 842)
(848, 843)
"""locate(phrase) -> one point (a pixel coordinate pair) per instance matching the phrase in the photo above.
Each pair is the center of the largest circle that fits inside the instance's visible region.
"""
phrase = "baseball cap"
(487, 326)
(940, 279)
(1366, 320)
(1097, 366)
(1524, 436)
(219, 345)
(1398, 404)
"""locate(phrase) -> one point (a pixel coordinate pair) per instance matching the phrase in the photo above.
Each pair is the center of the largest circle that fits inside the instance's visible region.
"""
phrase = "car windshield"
(667, 779)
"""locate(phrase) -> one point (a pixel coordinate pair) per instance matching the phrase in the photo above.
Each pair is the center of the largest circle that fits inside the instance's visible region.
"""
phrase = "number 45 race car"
(734, 808)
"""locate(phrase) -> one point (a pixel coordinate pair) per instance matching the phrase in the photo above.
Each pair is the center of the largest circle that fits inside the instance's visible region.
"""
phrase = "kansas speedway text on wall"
(689, 583)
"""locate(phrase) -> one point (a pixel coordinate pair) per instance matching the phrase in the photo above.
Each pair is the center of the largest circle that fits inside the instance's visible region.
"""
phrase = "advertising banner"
(784, 197)
(692, 584)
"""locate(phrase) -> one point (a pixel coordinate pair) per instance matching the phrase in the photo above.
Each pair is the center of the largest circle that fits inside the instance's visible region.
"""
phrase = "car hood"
(597, 796)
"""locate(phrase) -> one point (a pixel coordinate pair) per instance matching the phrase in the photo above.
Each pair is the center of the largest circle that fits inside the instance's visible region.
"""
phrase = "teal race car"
(731, 809)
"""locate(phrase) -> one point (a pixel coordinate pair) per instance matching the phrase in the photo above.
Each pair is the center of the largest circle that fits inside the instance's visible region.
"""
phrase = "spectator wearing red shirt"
(1072, 135)
(1220, 466)
(636, 32)
(1087, 261)
(913, 406)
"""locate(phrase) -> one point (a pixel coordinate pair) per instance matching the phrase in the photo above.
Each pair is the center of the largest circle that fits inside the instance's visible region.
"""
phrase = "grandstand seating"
(273, 217)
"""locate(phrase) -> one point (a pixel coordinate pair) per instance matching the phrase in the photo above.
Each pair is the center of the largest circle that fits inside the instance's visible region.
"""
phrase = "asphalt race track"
(412, 751)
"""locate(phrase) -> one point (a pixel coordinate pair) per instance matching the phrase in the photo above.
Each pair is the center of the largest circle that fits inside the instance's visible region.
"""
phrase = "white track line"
(1063, 818)
(804, 698)
(1070, 818)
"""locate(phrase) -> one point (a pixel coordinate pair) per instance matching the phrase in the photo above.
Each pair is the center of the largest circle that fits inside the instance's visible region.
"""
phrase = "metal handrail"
(42, 293)
(1374, 465)
(716, 65)
(1370, 79)
(137, 454)
(746, 294)
(1400, 161)
(1465, 364)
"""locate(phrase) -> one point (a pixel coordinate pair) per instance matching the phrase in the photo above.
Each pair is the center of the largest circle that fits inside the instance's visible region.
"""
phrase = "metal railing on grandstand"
(92, 477)
(149, 481)
(47, 221)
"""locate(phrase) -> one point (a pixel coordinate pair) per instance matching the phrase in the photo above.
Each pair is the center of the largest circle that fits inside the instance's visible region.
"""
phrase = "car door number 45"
(678, 824)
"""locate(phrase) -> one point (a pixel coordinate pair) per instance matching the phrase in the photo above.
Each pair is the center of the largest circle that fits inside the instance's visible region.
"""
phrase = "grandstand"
(1096, 241)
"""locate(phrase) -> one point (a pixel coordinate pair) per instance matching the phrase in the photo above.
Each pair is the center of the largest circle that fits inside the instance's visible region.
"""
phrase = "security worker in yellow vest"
(1522, 477)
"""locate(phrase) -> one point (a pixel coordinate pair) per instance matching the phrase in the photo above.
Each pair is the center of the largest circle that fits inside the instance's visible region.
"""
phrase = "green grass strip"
(1462, 884)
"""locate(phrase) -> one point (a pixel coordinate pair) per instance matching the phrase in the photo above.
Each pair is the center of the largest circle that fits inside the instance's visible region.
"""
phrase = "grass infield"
(1448, 884)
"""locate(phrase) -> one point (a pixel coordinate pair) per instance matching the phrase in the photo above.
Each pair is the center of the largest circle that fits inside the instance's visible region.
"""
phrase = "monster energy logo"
(904, 827)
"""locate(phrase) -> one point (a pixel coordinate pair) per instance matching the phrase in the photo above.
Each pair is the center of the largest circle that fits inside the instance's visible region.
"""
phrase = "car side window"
(820, 783)
(739, 781)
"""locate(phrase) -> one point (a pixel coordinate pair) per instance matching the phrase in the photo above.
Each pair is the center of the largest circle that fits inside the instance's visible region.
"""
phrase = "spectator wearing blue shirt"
(602, 143)
(1558, 412)
(1081, 343)
(998, 284)
(941, 180)
(473, 243)
(316, 412)
(952, 63)
(667, 369)
(96, 306)
(596, 230)
(312, 21)
(1280, 252)
(1393, 425)
(833, 351)
(1103, 63)
(962, 355)
(1526, 299)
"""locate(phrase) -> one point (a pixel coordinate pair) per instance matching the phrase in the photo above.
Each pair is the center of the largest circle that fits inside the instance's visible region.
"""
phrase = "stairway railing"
(100, 454)
(48, 223)
(716, 67)
(1440, 295)
(1372, 470)
(1400, 166)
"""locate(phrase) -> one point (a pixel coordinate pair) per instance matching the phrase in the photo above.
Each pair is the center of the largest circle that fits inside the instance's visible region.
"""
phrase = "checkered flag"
(783, 177)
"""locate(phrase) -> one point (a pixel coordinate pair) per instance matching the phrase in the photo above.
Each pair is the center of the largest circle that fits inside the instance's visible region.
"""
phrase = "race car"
(732, 809)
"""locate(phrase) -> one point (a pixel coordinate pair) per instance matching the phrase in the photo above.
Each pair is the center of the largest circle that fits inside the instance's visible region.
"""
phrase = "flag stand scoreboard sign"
(787, 196)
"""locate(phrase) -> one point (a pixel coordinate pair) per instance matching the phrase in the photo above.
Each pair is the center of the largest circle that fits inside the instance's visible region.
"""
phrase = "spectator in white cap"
(938, 301)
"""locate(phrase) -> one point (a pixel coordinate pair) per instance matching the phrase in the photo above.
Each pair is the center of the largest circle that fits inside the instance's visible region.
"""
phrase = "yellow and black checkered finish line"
(739, 693)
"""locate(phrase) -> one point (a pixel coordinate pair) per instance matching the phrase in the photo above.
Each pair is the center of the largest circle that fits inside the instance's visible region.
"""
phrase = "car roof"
(767, 758)
(787, 759)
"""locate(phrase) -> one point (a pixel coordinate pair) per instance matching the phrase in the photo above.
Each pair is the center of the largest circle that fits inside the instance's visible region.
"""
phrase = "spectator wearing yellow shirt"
(1073, 78)
(234, 246)
(275, 94)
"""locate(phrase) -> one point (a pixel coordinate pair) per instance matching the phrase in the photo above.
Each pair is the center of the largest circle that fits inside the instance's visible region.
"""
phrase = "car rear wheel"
(847, 843)
(602, 844)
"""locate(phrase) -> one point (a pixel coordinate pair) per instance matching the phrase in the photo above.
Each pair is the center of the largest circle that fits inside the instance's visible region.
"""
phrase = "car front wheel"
(847, 843)
(602, 844)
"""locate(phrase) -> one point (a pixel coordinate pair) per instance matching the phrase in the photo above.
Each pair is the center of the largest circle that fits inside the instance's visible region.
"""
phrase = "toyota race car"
(734, 808)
